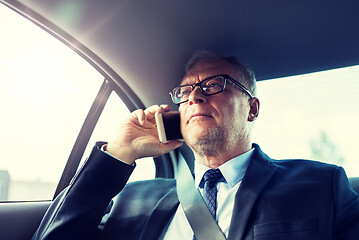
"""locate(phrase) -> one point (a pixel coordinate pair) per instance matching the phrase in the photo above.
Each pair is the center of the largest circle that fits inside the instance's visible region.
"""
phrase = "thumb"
(172, 145)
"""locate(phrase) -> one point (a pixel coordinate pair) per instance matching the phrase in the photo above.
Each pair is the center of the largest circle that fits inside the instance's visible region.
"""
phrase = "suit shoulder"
(305, 168)
(305, 163)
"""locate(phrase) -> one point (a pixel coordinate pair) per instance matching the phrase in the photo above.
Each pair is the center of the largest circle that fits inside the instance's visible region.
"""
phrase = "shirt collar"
(233, 170)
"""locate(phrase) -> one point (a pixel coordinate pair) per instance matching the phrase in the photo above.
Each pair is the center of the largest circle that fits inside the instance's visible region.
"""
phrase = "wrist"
(122, 156)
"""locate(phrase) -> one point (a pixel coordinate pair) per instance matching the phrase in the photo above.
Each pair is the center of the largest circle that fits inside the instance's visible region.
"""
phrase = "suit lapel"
(160, 216)
(259, 171)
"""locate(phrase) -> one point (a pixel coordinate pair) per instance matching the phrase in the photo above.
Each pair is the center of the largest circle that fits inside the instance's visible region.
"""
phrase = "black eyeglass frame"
(225, 77)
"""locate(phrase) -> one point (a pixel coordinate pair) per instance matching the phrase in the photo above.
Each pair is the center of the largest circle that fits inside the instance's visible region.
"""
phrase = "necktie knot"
(212, 176)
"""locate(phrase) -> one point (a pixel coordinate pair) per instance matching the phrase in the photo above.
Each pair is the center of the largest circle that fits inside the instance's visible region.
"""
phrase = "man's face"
(217, 122)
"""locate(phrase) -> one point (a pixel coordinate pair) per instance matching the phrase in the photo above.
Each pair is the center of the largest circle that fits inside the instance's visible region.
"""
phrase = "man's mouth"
(198, 116)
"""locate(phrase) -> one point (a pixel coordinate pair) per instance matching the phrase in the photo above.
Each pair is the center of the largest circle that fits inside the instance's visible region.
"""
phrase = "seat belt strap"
(199, 217)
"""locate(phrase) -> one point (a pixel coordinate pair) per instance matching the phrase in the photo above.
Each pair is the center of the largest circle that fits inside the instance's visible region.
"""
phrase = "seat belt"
(204, 226)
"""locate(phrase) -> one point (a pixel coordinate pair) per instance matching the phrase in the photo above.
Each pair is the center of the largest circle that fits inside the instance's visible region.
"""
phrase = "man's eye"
(183, 93)
(213, 85)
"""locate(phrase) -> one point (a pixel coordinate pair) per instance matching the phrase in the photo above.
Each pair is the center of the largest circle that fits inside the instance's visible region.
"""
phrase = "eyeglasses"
(209, 86)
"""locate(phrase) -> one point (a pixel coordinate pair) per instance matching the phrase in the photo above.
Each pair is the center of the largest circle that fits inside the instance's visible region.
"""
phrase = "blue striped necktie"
(210, 178)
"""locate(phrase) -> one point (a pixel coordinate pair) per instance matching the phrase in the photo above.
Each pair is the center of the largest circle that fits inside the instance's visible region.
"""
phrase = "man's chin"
(207, 141)
(202, 135)
(196, 133)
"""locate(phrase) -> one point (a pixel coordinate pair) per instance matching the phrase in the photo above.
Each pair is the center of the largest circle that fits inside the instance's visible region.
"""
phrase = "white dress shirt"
(233, 172)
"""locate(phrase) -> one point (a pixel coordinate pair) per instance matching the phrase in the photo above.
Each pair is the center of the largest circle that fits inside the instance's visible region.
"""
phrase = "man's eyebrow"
(187, 81)
(190, 80)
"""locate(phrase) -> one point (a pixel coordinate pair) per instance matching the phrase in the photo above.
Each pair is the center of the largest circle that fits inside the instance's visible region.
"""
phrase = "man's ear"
(254, 109)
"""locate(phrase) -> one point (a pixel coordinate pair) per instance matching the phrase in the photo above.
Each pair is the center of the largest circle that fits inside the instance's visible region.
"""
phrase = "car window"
(311, 116)
(46, 91)
(109, 127)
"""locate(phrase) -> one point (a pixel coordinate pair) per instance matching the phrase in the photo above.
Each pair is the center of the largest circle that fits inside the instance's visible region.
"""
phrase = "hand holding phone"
(139, 137)
(168, 126)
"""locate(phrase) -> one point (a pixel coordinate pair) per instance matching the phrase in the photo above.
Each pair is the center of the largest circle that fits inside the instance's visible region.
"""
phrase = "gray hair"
(248, 78)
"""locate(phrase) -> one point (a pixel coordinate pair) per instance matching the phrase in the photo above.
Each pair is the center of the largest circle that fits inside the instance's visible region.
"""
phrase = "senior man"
(255, 197)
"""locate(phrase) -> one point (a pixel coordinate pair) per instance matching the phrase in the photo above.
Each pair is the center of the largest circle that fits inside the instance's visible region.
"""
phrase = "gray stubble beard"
(214, 141)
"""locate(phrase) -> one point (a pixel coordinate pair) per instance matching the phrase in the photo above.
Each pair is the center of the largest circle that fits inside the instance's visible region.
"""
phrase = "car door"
(56, 102)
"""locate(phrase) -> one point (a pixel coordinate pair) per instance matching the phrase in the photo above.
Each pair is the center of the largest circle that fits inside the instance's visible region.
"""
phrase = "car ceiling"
(148, 42)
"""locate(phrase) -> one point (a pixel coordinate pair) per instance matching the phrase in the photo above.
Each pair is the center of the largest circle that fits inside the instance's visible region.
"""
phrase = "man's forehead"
(208, 68)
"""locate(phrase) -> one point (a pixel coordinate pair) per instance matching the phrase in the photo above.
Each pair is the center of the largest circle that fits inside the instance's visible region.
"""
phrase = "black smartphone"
(168, 126)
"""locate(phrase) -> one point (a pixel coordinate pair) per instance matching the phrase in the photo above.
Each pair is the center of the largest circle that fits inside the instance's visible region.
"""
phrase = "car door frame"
(20, 219)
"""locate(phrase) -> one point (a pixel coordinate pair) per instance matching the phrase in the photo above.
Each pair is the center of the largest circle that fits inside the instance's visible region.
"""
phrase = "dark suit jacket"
(286, 199)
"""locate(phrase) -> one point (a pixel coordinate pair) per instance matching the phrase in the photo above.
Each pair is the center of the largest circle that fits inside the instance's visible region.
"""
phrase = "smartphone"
(168, 126)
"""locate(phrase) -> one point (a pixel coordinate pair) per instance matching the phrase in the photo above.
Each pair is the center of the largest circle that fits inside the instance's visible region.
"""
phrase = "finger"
(151, 111)
(140, 115)
(166, 107)
(149, 125)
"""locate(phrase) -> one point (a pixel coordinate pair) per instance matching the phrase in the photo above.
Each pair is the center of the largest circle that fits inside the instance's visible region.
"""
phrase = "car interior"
(138, 50)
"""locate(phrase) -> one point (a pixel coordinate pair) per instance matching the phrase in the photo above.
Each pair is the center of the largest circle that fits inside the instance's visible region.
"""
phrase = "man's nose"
(196, 96)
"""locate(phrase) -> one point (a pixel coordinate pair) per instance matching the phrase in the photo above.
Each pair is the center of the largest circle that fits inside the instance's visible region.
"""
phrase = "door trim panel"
(19, 220)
